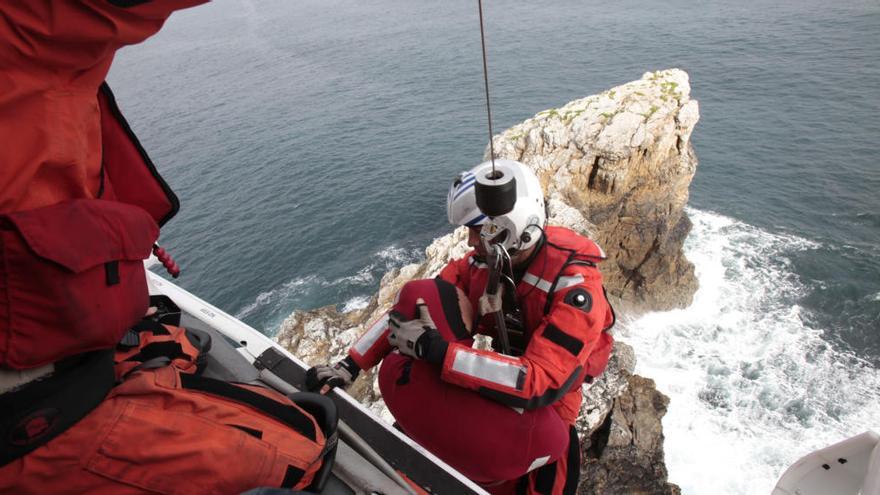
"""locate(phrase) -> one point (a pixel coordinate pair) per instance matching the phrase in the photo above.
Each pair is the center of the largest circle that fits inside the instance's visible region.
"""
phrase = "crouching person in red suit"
(505, 420)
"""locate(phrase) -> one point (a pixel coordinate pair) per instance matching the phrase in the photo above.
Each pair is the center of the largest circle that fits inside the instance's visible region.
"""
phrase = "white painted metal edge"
(256, 343)
(861, 450)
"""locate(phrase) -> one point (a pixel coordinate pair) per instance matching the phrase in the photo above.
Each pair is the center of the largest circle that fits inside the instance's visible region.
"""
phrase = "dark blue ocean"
(311, 144)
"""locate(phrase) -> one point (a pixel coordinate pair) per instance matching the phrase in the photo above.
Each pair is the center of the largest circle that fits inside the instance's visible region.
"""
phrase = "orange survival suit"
(80, 209)
(80, 201)
(562, 340)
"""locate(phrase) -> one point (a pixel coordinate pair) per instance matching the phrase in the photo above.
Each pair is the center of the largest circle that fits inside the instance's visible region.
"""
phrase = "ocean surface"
(311, 144)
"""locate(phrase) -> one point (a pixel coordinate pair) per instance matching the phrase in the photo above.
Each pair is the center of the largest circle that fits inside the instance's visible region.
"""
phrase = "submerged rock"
(615, 167)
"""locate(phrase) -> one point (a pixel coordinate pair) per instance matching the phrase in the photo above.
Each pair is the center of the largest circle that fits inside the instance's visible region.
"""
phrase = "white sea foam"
(394, 256)
(278, 294)
(355, 303)
(384, 260)
(753, 387)
(366, 279)
(364, 276)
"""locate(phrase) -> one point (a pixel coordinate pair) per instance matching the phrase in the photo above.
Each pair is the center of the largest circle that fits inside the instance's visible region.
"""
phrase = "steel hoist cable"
(486, 83)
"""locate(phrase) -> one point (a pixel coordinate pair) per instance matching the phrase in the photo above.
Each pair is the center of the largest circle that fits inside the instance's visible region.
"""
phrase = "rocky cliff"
(615, 167)
(623, 160)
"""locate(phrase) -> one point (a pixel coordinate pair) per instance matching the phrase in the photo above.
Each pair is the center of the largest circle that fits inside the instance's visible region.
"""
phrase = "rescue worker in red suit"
(557, 317)
(80, 209)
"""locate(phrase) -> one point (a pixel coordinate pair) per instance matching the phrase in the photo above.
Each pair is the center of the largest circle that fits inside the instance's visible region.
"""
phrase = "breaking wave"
(355, 304)
(274, 297)
(753, 386)
(270, 308)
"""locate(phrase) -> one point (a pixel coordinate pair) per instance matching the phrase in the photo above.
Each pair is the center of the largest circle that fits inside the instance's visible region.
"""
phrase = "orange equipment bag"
(163, 429)
(150, 344)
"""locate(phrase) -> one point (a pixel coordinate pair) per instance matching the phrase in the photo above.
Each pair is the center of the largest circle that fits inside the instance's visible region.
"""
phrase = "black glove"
(419, 337)
(341, 374)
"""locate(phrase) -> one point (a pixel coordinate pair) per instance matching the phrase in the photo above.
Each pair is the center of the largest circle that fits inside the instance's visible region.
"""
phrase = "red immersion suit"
(564, 315)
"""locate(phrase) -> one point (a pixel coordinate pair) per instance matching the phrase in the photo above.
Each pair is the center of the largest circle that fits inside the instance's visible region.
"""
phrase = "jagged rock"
(625, 455)
(616, 168)
(623, 159)
(597, 401)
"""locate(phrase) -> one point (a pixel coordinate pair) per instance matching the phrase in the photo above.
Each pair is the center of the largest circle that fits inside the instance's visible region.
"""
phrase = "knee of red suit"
(449, 307)
(483, 439)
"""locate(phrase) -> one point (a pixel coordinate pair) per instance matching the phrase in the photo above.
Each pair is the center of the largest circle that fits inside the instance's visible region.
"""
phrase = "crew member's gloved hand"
(419, 337)
(491, 303)
(322, 378)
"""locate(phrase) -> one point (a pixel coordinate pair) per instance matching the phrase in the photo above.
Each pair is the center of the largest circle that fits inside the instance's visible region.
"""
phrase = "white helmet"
(461, 202)
(518, 229)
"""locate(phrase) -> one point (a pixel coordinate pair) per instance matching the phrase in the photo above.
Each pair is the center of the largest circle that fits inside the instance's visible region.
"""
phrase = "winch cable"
(496, 254)
(486, 83)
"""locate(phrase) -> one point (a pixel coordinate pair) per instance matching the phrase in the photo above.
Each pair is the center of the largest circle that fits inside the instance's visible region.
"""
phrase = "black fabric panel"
(573, 466)
(250, 431)
(522, 486)
(435, 345)
(613, 314)
(550, 396)
(451, 309)
(41, 410)
(171, 350)
(282, 412)
(562, 339)
(545, 478)
(292, 476)
(405, 371)
(111, 271)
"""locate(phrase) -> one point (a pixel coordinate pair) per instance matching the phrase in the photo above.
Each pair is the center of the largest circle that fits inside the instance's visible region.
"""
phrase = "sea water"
(311, 144)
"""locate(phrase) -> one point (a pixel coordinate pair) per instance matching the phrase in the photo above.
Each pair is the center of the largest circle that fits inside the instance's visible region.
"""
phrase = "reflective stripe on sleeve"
(540, 461)
(540, 283)
(546, 285)
(368, 339)
(485, 368)
(566, 282)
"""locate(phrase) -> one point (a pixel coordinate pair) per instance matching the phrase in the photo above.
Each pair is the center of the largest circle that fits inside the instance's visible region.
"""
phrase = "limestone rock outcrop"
(625, 454)
(624, 160)
(615, 167)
